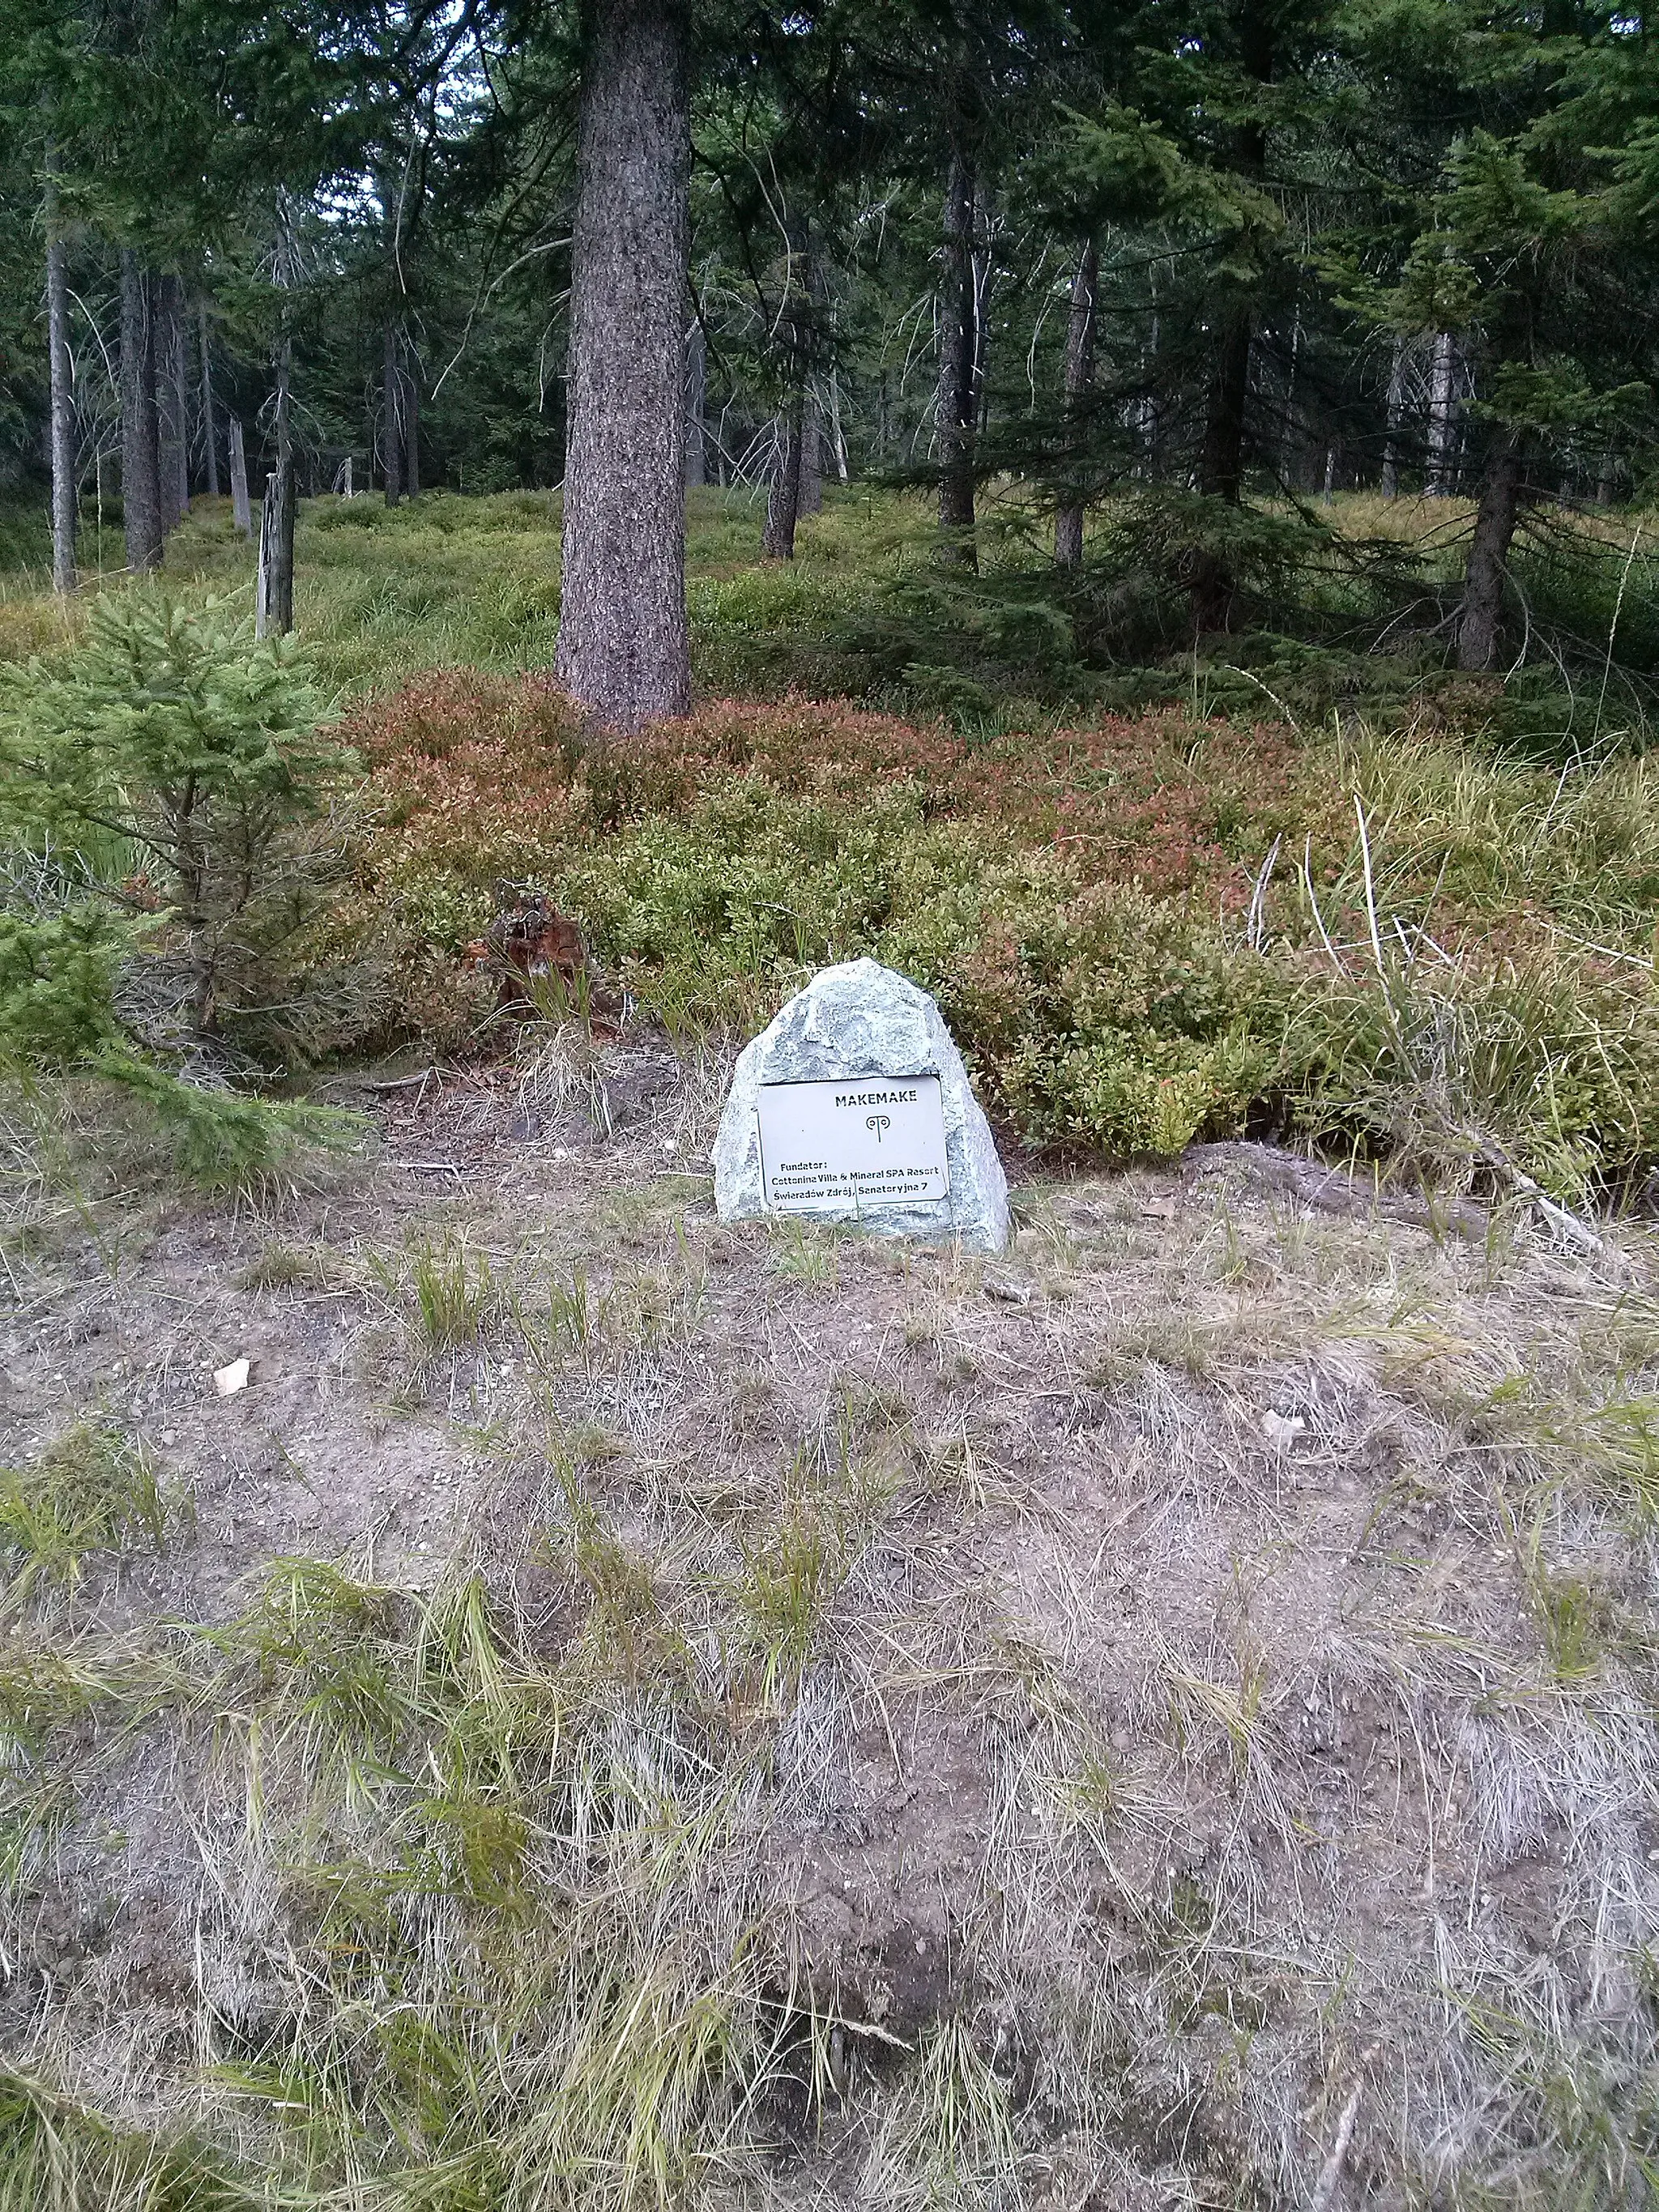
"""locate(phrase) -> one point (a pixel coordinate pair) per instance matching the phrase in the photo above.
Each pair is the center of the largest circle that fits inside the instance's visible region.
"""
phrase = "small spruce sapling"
(161, 791)
(175, 741)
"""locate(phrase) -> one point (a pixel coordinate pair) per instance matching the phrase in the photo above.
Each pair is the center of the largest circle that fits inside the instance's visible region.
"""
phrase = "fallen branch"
(1560, 1218)
(1334, 1190)
(1330, 2174)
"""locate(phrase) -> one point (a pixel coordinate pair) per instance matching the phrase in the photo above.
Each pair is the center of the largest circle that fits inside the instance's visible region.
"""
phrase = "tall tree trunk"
(141, 488)
(1221, 469)
(1293, 437)
(783, 503)
(1440, 472)
(241, 511)
(811, 454)
(1220, 473)
(958, 405)
(1397, 405)
(1480, 629)
(273, 596)
(411, 392)
(696, 399)
(391, 419)
(814, 336)
(273, 591)
(622, 648)
(981, 273)
(172, 406)
(64, 576)
(1145, 415)
(209, 434)
(1221, 458)
(1079, 375)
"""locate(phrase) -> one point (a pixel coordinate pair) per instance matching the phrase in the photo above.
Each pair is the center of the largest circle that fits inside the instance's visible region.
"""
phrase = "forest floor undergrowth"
(621, 1705)
(614, 1708)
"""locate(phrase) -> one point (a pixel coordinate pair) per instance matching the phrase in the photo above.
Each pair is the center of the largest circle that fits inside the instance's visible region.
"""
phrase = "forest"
(1144, 285)
(529, 529)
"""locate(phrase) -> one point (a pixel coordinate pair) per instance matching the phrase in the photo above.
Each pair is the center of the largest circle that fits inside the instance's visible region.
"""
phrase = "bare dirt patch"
(1057, 1730)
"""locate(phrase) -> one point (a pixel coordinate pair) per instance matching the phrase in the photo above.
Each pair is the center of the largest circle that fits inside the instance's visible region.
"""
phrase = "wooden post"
(273, 579)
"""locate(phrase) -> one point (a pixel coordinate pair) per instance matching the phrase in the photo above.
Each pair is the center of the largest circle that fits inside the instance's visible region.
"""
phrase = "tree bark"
(1293, 437)
(64, 576)
(1221, 459)
(172, 406)
(1079, 375)
(1221, 473)
(391, 419)
(1440, 473)
(622, 650)
(273, 596)
(210, 439)
(241, 511)
(811, 500)
(814, 336)
(982, 275)
(273, 587)
(141, 488)
(958, 405)
(1221, 469)
(837, 439)
(1480, 631)
(1396, 406)
(412, 394)
(273, 578)
(783, 503)
(696, 399)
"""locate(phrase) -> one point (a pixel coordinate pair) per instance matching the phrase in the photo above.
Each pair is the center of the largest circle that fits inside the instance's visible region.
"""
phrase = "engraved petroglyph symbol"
(877, 1122)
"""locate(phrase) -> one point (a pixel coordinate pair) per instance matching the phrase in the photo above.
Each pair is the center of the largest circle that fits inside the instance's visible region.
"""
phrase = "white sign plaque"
(864, 1141)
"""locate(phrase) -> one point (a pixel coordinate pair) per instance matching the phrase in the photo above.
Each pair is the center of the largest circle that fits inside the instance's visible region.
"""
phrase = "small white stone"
(227, 1380)
(855, 1023)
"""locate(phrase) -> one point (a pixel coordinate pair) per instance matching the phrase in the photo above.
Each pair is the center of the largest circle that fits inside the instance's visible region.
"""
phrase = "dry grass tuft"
(764, 1719)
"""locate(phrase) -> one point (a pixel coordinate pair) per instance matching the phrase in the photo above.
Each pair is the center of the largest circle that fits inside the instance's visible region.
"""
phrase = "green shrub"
(58, 984)
(224, 1140)
(178, 760)
(171, 732)
(1453, 1068)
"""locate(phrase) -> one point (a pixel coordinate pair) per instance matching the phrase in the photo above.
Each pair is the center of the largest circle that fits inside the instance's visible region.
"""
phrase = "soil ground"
(1203, 1658)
